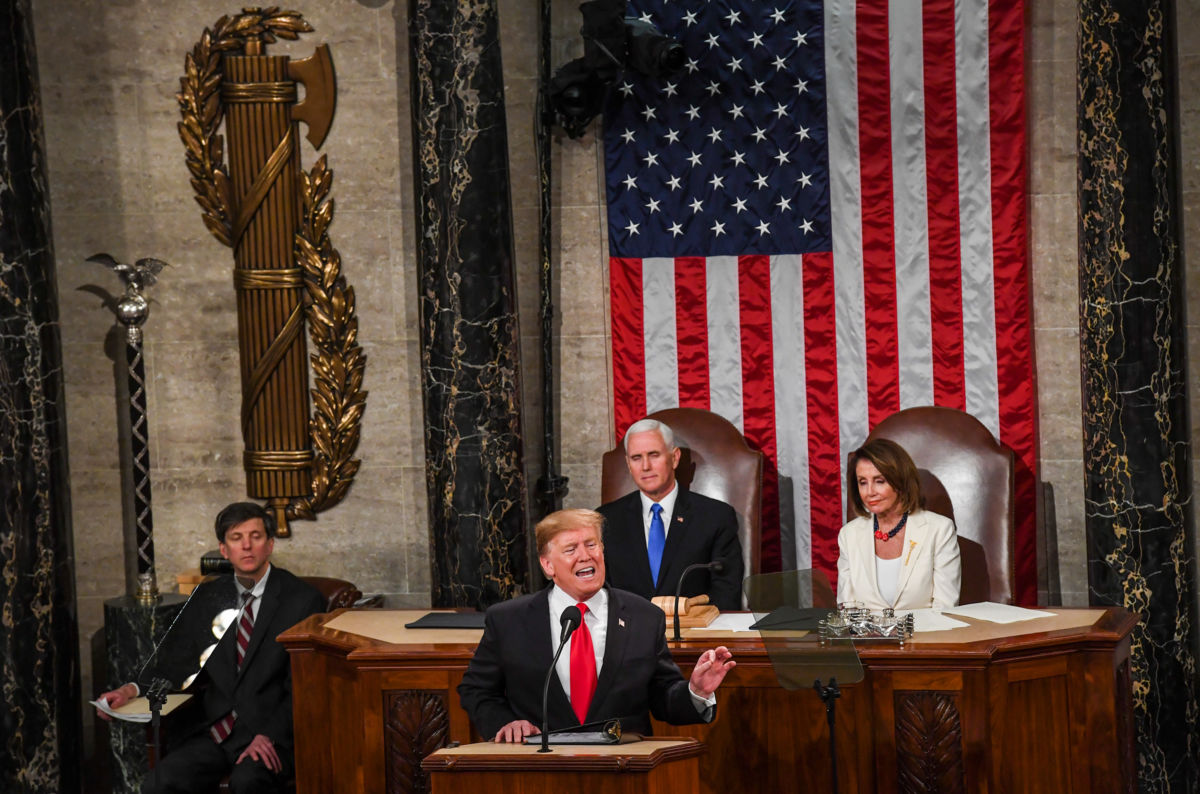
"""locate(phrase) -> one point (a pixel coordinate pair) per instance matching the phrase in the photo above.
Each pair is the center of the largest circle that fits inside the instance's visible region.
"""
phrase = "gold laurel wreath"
(338, 363)
(338, 398)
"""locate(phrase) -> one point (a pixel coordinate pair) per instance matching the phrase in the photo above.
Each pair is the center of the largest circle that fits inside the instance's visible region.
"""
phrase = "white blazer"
(929, 574)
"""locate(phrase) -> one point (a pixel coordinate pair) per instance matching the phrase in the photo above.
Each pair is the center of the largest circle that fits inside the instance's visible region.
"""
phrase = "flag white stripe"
(910, 204)
(975, 212)
(841, 69)
(791, 409)
(658, 321)
(724, 339)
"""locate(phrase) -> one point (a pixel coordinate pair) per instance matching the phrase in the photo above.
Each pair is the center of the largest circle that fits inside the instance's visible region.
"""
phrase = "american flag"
(819, 221)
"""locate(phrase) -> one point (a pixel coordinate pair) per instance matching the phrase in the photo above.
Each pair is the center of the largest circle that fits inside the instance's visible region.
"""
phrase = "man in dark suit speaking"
(655, 532)
(244, 728)
(615, 665)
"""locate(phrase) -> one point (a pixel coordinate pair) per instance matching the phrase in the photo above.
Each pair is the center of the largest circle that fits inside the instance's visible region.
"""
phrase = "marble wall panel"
(197, 401)
(1052, 121)
(1061, 434)
(39, 665)
(364, 240)
(393, 430)
(584, 294)
(1052, 213)
(1140, 532)
(386, 508)
(402, 263)
(586, 422)
(362, 146)
(100, 522)
(1055, 282)
(585, 485)
(471, 368)
(1067, 477)
(1187, 13)
(580, 176)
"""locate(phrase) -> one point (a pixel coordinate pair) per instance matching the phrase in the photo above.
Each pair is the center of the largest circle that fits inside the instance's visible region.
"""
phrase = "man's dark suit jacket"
(504, 679)
(261, 691)
(702, 530)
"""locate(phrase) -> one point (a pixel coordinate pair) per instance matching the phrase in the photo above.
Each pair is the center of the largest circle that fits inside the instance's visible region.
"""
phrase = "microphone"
(570, 620)
(716, 566)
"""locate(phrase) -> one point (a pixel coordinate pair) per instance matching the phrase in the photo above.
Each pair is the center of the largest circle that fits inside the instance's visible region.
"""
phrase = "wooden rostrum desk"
(1043, 705)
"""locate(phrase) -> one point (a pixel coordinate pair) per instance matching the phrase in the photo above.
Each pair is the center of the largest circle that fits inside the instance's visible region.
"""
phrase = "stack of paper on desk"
(998, 613)
(934, 620)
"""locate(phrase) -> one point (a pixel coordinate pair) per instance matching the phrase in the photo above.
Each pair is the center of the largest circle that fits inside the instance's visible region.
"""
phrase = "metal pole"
(132, 310)
(551, 486)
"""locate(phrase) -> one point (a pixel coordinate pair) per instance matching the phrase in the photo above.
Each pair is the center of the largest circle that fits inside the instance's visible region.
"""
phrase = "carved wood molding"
(929, 751)
(415, 723)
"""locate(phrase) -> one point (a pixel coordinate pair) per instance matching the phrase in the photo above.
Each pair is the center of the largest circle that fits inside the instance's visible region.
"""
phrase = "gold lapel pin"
(912, 544)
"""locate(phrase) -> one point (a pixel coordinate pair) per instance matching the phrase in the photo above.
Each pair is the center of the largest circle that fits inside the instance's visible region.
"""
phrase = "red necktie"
(245, 627)
(583, 668)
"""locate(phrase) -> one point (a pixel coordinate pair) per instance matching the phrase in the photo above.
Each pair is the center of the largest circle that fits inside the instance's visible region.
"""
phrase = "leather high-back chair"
(966, 475)
(715, 462)
(338, 593)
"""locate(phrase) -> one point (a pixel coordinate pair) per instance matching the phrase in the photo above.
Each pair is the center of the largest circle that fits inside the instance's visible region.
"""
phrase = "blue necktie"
(656, 541)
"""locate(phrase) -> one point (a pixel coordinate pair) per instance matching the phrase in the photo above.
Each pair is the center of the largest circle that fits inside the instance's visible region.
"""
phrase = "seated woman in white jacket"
(894, 553)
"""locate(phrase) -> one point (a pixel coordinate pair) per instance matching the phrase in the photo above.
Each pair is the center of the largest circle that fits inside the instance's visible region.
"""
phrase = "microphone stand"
(829, 695)
(716, 566)
(571, 618)
(156, 696)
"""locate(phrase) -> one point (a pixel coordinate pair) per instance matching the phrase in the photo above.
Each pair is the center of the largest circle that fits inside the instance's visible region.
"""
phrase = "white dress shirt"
(887, 576)
(257, 591)
(597, 623)
(596, 620)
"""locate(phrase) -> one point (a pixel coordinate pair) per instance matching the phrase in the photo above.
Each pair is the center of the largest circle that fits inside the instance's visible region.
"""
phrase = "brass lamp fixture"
(287, 275)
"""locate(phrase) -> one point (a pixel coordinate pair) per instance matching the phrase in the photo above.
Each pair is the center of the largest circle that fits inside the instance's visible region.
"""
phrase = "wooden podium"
(1042, 706)
(662, 765)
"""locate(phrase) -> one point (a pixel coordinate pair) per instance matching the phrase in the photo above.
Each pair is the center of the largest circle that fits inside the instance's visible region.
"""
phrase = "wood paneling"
(1040, 711)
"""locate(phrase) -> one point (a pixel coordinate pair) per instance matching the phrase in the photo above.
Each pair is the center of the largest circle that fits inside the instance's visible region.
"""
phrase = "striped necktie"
(245, 627)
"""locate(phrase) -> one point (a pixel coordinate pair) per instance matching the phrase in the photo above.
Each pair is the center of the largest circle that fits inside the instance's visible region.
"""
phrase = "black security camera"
(611, 42)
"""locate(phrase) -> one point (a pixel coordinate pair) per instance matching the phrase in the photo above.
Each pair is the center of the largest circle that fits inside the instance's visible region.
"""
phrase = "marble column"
(39, 644)
(470, 366)
(1136, 453)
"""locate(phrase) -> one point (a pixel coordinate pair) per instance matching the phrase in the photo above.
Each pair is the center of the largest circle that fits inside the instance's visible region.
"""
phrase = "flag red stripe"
(820, 374)
(941, 179)
(691, 331)
(878, 221)
(629, 351)
(758, 392)
(1010, 247)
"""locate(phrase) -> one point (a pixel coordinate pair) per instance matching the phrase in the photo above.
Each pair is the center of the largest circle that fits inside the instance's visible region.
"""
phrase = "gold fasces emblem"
(287, 274)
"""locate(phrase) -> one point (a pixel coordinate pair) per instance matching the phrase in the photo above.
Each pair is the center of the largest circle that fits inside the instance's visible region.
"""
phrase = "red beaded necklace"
(886, 536)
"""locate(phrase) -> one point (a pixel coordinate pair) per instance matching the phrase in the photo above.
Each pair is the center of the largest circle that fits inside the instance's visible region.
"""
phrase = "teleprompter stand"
(788, 607)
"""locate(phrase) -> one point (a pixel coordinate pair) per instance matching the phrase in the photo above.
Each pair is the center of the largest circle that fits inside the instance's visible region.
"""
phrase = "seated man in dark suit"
(653, 533)
(615, 666)
(244, 726)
